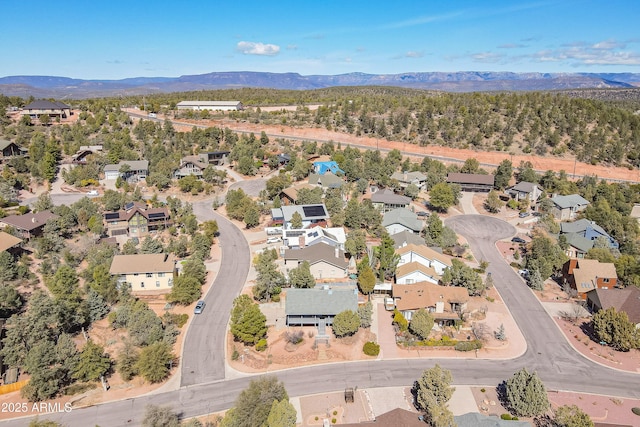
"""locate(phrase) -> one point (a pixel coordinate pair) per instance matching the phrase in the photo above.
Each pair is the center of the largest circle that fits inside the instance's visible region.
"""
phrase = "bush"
(261, 345)
(444, 341)
(294, 337)
(333, 420)
(482, 390)
(371, 349)
(506, 417)
(235, 355)
(177, 319)
(636, 410)
(468, 345)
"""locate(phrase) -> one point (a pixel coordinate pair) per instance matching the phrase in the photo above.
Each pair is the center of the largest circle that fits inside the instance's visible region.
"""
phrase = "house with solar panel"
(311, 215)
(136, 220)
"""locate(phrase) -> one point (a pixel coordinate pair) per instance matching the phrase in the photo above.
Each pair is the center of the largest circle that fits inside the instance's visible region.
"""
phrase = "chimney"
(34, 220)
(302, 241)
(336, 251)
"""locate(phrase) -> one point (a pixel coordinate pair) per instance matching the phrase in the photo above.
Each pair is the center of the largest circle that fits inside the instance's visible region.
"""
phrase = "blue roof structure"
(324, 167)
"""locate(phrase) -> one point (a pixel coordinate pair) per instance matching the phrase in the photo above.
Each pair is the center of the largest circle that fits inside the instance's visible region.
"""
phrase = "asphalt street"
(548, 354)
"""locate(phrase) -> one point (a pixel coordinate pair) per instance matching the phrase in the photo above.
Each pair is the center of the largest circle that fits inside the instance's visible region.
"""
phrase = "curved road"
(548, 353)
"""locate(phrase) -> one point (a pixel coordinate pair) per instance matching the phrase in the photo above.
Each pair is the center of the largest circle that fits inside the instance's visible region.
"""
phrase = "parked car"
(518, 240)
(423, 214)
(524, 214)
(524, 273)
(199, 307)
(273, 239)
(92, 193)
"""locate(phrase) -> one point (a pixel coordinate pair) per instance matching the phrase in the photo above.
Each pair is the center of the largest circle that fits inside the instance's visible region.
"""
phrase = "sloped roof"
(395, 418)
(317, 253)
(425, 252)
(320, 301)
(43, 104)
(4, 144)
(572, 200)
(322, 167)
(321, 209)
(476, 419)
(627, 300)
(388, 197)
(426, 294)
(523, 187)
(142, 263)
(29, 221)
(408, 176)
(580, 226)
(470, 178)
(411, 267)
(8, 241)
(135, 165)
(588, 270)
(402, 216)
(406, 237)
(579, 242)
(328, 180)
(635, 211)
(292, 192)
(193, 159)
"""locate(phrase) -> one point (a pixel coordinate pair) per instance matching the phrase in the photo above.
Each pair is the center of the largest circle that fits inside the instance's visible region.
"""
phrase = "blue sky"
(116, 39)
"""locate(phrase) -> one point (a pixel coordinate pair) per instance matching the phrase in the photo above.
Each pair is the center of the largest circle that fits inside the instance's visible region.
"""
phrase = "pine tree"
(526, 394)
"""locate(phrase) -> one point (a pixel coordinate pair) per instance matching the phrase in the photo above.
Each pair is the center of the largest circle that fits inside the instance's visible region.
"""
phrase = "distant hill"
(467, 81)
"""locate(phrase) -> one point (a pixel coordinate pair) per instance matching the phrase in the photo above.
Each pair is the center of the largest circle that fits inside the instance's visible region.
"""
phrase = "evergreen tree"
(92, 363)
(526, 395)
(346, 323)
(153, 363)
(248, 324)
(282, 414)
(387, 257)
(301, 277)
(421, 323)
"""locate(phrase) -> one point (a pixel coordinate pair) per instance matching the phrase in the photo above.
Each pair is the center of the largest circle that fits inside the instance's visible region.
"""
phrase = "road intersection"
(204, 388)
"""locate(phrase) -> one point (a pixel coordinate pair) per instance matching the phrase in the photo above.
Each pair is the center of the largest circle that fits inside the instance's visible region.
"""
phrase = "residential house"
(425, 256)
(310, 214)
(289, 195)
(395, 418)
(566, 208)
(318, 306)
(405, 178)
(145, 272)
(328, 180)
(405, 238)
(210, 105)
(625, 299)
(329, 166)
(584, 275)
(30, 224)
(136, 170)
(80, 157)
(190, 165)
(582, 234)
(415, 272)
(444, 303)
(472, 181)
(325, 261)
(527, 191)
(137, 219)
(476, 419)
(386, 200)
(283, 159)
(402, 219)
(8, 242)
(300, 238)
(214, 157)
(51, 108)
(10, 150)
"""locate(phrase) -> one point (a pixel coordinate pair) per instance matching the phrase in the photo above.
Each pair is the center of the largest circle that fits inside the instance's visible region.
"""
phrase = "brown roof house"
(136, 220)
(7, 241)
(627, 300)
(145, 272)
(30, 224)
(326, 262)
(10, 150)
(395, 418)
(42, 106)
(444, 303)
(414, 272)
(190, 165)
(472, 181)
(584, 275)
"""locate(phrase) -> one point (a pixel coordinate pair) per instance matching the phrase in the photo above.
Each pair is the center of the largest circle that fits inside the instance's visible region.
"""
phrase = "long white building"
(210, 105)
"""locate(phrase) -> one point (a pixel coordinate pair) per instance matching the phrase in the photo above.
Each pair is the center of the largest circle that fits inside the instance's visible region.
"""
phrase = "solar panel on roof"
(128, 206)
(156, 215)
(111, 215)
(312, 211)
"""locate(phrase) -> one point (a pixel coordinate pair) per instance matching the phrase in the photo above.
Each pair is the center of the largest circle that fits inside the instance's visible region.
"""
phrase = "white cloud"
(511, 46)
(608, 44)
(487, 57)
(252, 48)
(581, 54)
(414, 54)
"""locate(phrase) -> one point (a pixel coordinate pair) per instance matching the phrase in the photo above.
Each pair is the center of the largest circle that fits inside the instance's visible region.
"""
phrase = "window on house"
(149, 274)
(605, 280)
(160, 274)
(135, 274)
(142, 284)
(157, 283)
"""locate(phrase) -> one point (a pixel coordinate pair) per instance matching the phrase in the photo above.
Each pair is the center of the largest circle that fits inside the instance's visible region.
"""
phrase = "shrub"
(636, 410)
(261, 345)
(294, 337)
(235, 355)
(506, 417)
(400, 320)
(482, 390)
(468, 345)
(444, 341)
(177, 319)
(335, 412)
(333, 420)
(371, 348)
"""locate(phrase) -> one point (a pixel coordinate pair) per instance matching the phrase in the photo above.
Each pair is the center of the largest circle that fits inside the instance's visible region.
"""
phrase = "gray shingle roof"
(524, 187)
(406, 238)
(319, 301)
(470, 178)
(135, 165)
(572, 200)
(43, 104)
(389, 197)
(404, 217)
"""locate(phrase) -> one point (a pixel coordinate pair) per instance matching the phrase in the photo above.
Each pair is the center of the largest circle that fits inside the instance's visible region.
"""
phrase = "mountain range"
(465, 81)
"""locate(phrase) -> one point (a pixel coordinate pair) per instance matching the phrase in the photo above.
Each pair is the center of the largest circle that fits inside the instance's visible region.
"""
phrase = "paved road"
(548, 353)
(203, 355)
